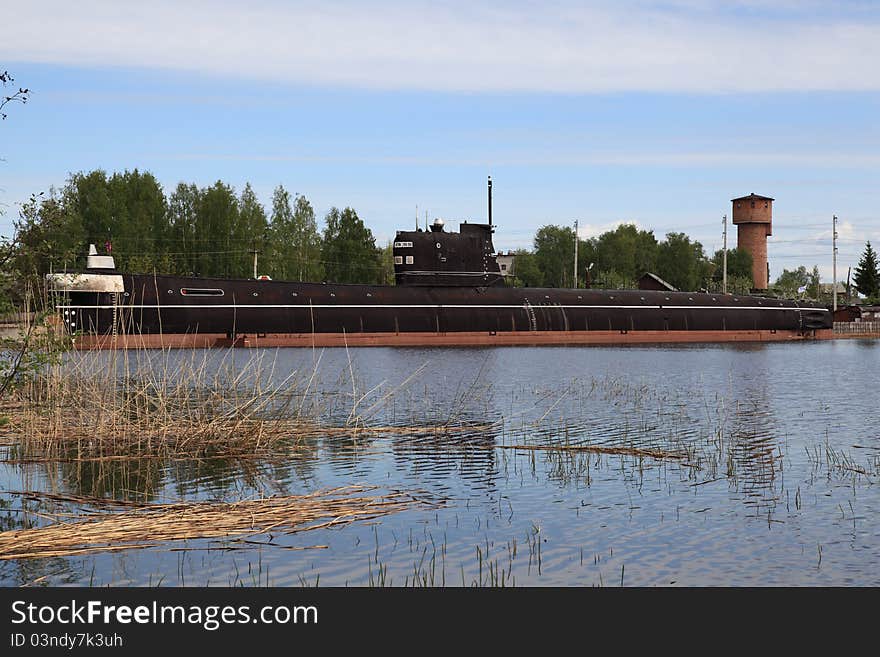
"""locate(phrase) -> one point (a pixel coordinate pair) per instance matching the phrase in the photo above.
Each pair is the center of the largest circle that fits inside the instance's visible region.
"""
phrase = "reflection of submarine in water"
(449, 291)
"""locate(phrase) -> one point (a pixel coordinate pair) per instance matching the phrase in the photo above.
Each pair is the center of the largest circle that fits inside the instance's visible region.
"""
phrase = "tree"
(624, 254)
(682, 262)
(790, 281)
(27, 353)
(216, 220)
(250, 230)
(349, 250)
(525, 270)
(282, 261)
(813, 285)
(307, 241)
(296, 243)
(866, 276)
(138, 232)
(182, 209)
(86, 197)
(126, 212)
(20, 96)
(739, 271)
(739, 264)
(554, 255)
(387, 258)
(587, 256)
(48, 239)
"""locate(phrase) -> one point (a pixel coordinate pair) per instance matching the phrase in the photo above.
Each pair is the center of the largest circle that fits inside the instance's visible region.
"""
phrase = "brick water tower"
(753, 216)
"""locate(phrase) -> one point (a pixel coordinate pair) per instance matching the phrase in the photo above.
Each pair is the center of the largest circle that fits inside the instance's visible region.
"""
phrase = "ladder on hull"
(530, 312)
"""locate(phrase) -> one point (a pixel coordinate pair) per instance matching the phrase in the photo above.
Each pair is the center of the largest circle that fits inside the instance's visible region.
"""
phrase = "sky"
(656, 113)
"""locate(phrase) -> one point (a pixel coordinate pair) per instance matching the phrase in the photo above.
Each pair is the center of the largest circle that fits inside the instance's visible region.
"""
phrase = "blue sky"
(656, 113)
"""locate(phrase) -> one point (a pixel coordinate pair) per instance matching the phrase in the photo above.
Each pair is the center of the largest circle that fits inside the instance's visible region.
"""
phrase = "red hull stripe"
(454, 339)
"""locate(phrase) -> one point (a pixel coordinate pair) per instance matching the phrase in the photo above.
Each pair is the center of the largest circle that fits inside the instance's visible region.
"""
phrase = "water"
(741, 465)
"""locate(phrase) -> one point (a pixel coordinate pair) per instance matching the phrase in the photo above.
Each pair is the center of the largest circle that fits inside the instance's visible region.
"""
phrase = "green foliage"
(184, 242)
(194, 231)
(387, 259)
(215, 225)
(251, 228)
(735, 285)
(295, 244)
(87, 199)
(554, 255)
(349, 250)
(611, 279)
(138, 220)
(739, 271)
(615, 259)
(790, 280)
(587, 256)
(26, 354)
(813, 285)
(739, 265)
(866, 275)
(46, 239)
(44, 234)
(525, 269)
(126, 212)
(682, 262)
(625, 254)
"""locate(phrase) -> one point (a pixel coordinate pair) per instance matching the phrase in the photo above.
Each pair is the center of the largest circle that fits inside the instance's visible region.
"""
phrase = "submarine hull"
(140, 310)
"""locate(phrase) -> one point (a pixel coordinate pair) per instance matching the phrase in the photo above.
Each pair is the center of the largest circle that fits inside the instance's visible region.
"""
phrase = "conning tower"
(435, 257)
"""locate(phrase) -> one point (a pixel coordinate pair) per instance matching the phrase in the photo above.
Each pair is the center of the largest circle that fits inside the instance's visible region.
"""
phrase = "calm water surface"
(742, 465)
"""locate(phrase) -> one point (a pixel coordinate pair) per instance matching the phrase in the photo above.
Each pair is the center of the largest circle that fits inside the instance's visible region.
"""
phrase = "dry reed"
(116, 525)
(599, 449)
(200, 404)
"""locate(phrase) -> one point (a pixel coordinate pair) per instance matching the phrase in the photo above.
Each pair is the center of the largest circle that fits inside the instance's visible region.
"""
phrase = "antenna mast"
(490, 201)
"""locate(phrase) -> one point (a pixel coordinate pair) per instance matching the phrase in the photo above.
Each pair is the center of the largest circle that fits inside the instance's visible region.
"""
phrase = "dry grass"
(138, 404)
(200, 404)
(114, 525)
(659, 454)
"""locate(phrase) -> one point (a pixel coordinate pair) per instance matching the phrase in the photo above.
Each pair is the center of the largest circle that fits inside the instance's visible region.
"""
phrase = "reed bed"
(146, 405)
(114, 525)
(172, 405)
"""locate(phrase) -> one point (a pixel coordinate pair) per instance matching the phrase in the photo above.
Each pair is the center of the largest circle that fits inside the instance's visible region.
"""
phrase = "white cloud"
(586, 231)
(559, 47)
(561, 158)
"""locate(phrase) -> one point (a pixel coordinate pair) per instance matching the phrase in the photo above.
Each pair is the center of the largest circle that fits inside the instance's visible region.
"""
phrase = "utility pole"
(575, 252)
(834, 263)
(255, 252)
(848, 297)
(724, 279)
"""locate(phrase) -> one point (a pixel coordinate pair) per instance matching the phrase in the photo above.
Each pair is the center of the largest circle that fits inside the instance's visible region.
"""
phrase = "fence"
(857, 328)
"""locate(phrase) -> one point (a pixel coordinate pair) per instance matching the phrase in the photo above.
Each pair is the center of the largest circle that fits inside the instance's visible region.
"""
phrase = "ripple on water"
(760, 455)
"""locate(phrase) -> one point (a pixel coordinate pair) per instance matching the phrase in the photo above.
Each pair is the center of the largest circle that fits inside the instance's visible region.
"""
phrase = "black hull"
(179, 305)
